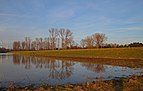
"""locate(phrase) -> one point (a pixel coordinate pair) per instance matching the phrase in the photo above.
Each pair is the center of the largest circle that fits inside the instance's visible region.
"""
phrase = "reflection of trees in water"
(16, 59)
(22, 60)
(57, 69)
(60, 69)
(2, 57)
(94, 67)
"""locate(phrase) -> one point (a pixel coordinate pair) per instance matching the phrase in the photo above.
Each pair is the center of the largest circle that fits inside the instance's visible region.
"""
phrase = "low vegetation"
(123, 84)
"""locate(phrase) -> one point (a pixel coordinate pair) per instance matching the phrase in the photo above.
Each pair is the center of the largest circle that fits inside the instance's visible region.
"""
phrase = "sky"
(120, 20)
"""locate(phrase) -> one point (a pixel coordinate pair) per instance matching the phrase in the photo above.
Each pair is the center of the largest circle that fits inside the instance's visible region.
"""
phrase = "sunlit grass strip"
(118, 53)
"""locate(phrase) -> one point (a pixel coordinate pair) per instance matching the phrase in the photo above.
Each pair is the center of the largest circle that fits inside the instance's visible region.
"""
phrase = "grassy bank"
(123, 84)
(113, 53)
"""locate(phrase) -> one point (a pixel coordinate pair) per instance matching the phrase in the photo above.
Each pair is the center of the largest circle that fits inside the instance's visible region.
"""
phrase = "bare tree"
(49, 46)
(45, 43)
(41, 43)
(62, 36)
(69, 38)
(89, 41)
(33, 45)
(23, 45)
(27, 43)
(99, 39)
(16, 45)
(58, 45)
(38, 43)
(53, 35)
(58, 38)
(71, 42)
(83, 43)
(66, 37)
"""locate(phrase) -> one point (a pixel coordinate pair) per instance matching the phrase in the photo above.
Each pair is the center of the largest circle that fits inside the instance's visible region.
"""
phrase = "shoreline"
(130, 57)
(132, 63)
(131, 83)
(94, 58)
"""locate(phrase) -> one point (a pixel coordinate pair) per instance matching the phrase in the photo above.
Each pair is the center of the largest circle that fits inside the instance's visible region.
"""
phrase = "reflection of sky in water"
(26, 70)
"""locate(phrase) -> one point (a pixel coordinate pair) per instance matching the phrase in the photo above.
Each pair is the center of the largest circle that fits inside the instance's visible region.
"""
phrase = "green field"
(115, 53)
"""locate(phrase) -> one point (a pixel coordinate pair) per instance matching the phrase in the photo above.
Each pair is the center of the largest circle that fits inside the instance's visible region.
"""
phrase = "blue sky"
(120, 20)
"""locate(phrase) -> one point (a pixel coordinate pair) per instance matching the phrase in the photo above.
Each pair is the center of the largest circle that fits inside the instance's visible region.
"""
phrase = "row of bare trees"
(62, 35)
(96, 40)
(58, 39)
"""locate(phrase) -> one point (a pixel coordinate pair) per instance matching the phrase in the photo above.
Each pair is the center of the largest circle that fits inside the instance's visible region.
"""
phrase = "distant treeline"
(59, 39)
(4, 50)
(63, 39)
(134, 44)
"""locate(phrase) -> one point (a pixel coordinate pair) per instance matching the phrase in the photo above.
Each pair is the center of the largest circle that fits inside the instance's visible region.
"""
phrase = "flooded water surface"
(23, 70)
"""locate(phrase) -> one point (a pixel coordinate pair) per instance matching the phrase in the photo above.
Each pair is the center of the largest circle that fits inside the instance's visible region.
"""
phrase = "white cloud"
(14, 15)
(130, 28)
(135, 28)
